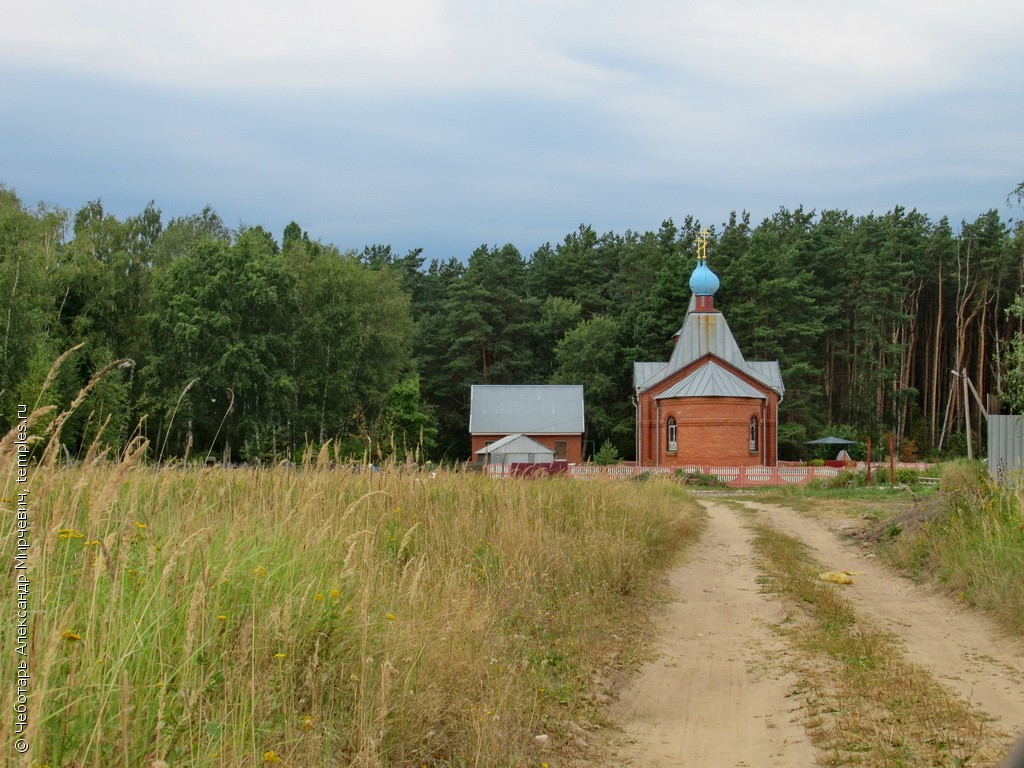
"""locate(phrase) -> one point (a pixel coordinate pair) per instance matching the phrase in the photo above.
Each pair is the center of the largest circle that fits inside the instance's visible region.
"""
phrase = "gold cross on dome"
(702, 243)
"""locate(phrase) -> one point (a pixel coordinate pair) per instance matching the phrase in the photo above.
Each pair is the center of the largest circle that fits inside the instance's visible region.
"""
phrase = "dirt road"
(717, 693)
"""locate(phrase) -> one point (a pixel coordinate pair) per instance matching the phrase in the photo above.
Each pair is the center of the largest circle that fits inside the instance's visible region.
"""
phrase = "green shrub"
(698, 479)
(908, 476)
(608, 454)
(845, 479)
(901, 476)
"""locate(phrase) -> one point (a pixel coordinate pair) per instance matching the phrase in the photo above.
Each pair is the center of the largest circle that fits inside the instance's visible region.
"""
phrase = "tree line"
(234, 344)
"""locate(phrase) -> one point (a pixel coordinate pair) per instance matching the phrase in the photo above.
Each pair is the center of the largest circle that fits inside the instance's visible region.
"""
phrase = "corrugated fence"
(1006, 446)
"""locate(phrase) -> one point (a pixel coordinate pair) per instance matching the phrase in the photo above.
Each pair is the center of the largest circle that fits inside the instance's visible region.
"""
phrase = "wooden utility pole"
(967, 416)
(867, 480)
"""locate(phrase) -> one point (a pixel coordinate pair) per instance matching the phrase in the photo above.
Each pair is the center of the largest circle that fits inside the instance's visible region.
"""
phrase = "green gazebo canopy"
(831, 441)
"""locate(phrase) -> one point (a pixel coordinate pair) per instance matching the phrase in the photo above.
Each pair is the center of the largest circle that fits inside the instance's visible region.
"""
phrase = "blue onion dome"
(703, 282)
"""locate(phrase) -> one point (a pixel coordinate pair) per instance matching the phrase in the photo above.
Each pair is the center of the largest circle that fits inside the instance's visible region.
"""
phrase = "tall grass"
(974, 543)
(306, 616)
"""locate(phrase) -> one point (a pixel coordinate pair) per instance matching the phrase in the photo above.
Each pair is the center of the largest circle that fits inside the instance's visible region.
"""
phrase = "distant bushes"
(849, 478)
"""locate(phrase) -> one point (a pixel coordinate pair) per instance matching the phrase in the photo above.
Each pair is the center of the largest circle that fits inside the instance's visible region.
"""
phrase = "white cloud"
(228, 43)
(800, 51)
(504, 111)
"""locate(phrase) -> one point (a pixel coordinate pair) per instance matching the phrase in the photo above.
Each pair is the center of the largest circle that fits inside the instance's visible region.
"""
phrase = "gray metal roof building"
(554, 409)
(514, 449)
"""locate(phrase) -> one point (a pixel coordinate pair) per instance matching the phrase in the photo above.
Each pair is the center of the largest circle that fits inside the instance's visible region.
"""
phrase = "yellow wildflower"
(318, 597)
(67, 634)
(259, 570)
(280, 655)
(307, 723)
(140, 526)
(69, 533)
(390, 617)
(222, 617)
(336, 593)
(270, 756)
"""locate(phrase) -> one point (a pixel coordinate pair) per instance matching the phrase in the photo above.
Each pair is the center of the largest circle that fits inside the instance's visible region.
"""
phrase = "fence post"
(867, 481)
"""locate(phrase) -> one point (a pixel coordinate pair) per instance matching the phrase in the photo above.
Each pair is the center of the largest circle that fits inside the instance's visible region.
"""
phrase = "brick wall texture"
(710, 430)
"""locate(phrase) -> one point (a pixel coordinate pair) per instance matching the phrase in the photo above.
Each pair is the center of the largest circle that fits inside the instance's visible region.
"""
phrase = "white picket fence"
(734, 477)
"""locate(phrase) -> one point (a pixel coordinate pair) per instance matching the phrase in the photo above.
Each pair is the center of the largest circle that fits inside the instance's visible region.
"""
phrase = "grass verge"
(301, 616)
(867, 705)
(971, 541)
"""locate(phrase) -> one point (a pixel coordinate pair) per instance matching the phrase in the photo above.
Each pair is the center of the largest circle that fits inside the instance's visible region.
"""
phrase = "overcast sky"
(446, 124)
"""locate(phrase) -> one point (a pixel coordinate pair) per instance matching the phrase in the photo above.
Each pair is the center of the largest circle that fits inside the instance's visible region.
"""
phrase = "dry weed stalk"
(55, 427)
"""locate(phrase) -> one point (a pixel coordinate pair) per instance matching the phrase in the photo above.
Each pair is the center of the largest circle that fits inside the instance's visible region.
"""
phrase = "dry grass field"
(307, 616)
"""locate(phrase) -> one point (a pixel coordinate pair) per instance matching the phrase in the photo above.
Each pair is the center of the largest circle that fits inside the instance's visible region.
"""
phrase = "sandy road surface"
(715, 695)
(965, 650)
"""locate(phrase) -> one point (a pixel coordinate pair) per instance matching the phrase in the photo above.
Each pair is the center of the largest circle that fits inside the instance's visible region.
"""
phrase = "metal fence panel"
(1005, 444)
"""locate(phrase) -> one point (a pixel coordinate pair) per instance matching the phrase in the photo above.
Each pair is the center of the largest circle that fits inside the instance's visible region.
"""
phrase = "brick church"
(707, 406)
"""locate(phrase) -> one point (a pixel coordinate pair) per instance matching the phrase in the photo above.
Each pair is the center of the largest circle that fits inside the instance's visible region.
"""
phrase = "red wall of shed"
(573, 444)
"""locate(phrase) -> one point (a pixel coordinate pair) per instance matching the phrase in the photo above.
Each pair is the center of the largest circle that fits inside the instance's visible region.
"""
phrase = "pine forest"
(244, 346)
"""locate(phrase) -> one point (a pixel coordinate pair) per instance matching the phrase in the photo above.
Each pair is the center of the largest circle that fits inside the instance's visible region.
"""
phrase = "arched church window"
(672, 433)
(753, 433)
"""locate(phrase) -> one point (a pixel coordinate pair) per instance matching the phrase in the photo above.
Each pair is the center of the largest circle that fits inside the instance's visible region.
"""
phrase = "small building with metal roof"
(548, 414)
(707, 405)
(515, 449)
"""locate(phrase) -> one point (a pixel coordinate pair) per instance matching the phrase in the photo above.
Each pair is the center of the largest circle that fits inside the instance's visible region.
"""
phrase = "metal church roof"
(552, 409)
(644, 372)
(706, 333)
(712, 380)
(767, 371)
